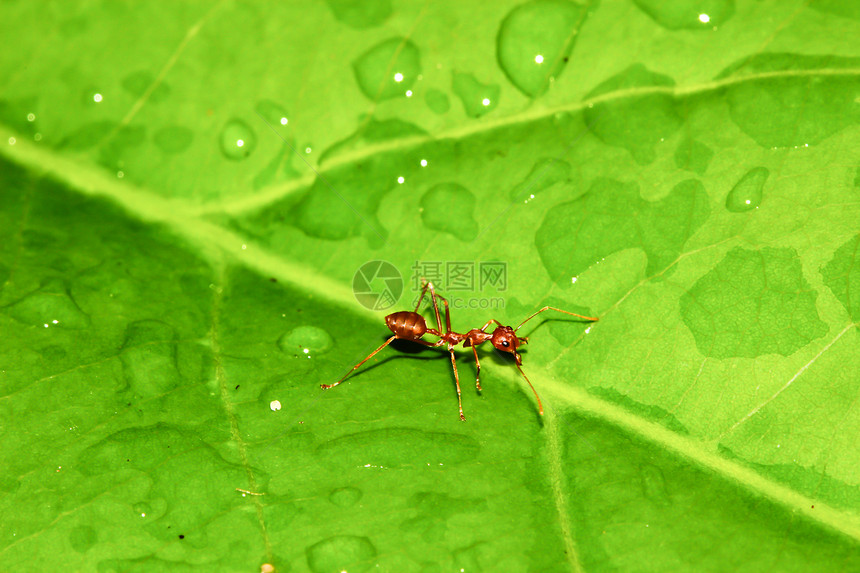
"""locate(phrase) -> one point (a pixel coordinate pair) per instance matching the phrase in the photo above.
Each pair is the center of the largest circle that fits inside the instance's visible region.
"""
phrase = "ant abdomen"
(406, 325)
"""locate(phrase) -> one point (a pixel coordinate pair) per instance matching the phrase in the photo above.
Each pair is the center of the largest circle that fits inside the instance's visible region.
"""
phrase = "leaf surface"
(188, 191)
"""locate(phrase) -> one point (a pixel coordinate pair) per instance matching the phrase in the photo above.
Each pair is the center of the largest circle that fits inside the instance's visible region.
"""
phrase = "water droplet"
(689, 15)
(272, 112)
(341, 553)
(142, 509)
(388, 69)
(640, 224)
(747, 193)
(82, 538)
(545, 173)
(49, 307)
(237, 139)
(437, 101)
(449, 207)
(545, 28)
(173, 139)
(345, 496)
(693, 156)
(312, 339)
(766, 108)
(478, 99)
(637, 123)
(149, 358)
(360, 14)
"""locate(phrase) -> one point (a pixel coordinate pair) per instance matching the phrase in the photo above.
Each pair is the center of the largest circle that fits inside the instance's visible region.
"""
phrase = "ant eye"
(505, 343)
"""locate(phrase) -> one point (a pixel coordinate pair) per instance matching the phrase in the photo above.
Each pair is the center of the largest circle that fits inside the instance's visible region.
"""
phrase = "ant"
(409, 325)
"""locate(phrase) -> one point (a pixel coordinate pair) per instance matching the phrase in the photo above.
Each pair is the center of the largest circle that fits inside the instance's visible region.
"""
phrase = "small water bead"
(237, 140)
(450, 208)
(534, 41)
(688, 15)
(272, 112)
(746, 195)
(306, 340)
(437, 101)
(359, 14)
(345, 496)
(388, 69)
(477, 98)
(341, 553)
(142, 509)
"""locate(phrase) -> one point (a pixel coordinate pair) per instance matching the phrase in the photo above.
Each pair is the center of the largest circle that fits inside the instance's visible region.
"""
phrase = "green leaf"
(196, 201)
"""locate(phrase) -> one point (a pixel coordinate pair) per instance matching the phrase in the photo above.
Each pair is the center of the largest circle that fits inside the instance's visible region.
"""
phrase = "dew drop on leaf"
(49, 307)
(534, 41)
(341, 553)
(746, 194)
(307, 340)
(437, 101)
(360, 14)
(545, 173)
(274, 113)
(149, 358)
(388, 69)
(345, 496)
(693, 156)
(680, 14)
(237, 139)
(477, 98)
(449, 207)
(142, 509)
(82, 538)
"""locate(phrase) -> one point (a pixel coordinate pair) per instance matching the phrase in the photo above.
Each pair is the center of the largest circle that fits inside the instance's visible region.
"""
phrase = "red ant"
(409, 325)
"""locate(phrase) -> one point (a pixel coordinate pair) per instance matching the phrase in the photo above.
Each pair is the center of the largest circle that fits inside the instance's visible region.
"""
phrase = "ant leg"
(478, 373)
(447, 312)
(534, 314)
(433, 296)
(540, 406)
(354, 368)
(423, 292)
(457, 381)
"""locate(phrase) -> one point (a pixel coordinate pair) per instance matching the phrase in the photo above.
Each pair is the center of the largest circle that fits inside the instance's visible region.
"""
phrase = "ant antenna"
(534, 314)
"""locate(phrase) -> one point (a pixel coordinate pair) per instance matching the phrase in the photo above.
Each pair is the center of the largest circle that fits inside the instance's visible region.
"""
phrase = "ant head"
(505, 339)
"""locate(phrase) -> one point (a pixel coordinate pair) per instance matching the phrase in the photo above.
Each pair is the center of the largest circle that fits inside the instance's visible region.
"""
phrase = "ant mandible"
(409, 325)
